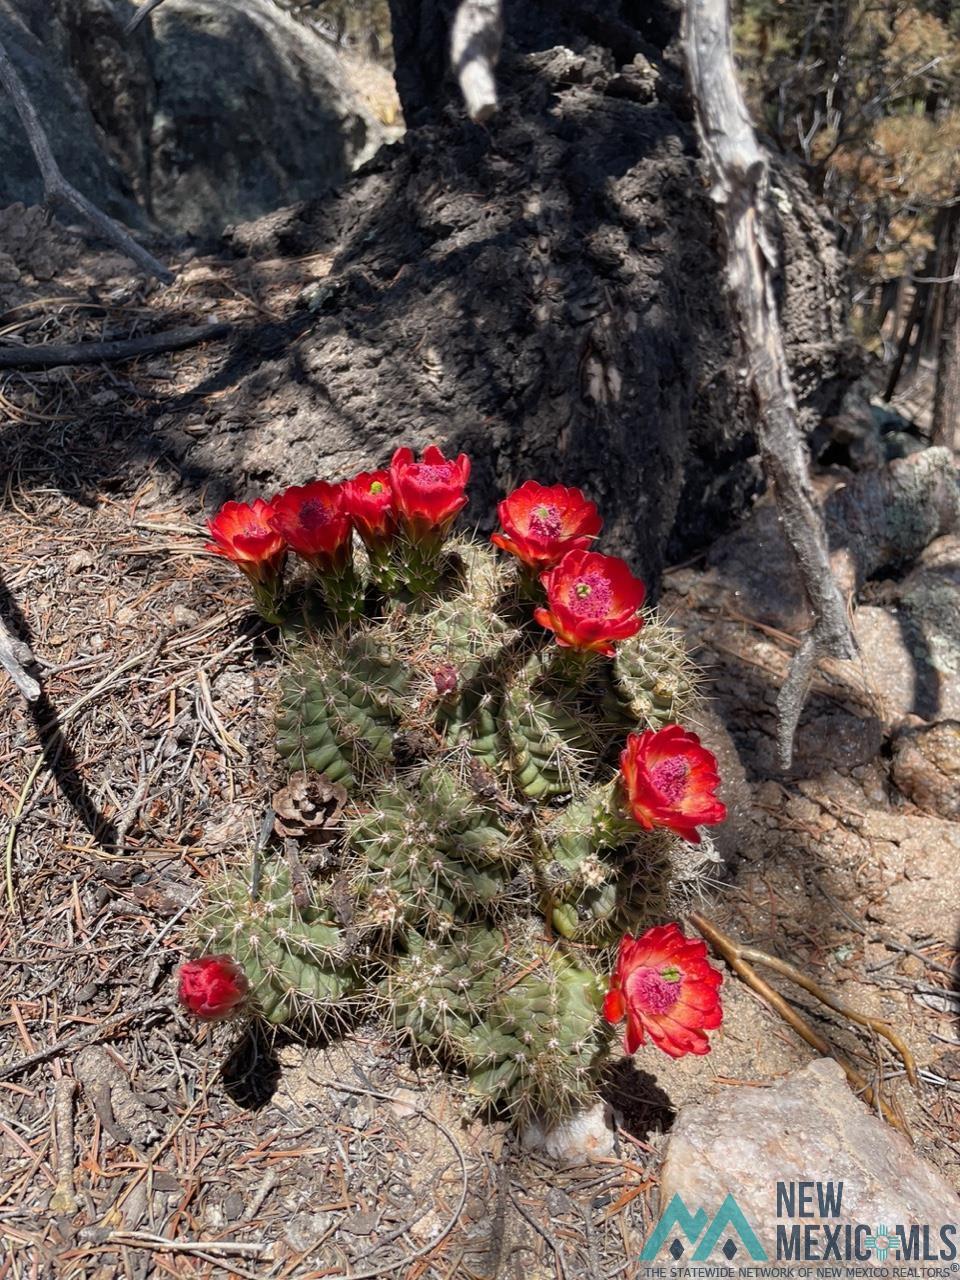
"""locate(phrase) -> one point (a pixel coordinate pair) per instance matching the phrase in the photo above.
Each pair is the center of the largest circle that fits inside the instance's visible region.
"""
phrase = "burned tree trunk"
(543, 291)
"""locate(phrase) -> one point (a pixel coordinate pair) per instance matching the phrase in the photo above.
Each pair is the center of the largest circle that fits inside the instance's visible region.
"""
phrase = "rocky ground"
(135, 1144)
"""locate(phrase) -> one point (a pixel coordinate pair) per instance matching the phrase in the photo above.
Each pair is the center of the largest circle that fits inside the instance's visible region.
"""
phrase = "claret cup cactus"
(522, 801)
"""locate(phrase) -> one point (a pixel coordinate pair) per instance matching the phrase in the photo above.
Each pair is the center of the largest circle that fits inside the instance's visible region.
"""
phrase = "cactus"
(293, 953)
(488, 863)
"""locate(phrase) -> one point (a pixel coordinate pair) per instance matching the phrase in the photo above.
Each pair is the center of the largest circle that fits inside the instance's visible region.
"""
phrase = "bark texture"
(946, 401)
(544, 292)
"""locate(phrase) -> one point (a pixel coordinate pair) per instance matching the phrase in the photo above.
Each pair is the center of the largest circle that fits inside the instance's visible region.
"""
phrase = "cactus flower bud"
(669, 780)
(445, 679)
(212, 988)
(542, 523)
(592, 600)
(666, 988)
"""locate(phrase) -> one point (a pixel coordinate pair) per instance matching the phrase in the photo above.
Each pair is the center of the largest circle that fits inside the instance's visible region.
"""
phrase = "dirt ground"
(133, 1143)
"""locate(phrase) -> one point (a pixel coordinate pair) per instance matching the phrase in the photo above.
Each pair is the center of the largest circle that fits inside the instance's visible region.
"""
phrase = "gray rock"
(808, 1128)
(924, 900)
(585, 1136)
(223, 112)
(253, 111)
(39, 36)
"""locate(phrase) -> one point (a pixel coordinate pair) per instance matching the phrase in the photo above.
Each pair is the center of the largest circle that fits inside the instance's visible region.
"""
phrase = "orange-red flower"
(428, 494)
(312, 521)
(542, 523)
(368, 501)
(243, 534)
(670, 780)
(666, 988)
(213, 987)
(592, 601)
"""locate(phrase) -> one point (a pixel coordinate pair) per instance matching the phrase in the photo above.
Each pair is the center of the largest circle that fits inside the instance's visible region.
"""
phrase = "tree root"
(50, 355)
(739, 958)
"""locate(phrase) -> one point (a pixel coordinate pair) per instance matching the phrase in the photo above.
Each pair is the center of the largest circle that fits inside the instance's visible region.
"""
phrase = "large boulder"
(223, 111)
(798, 1157)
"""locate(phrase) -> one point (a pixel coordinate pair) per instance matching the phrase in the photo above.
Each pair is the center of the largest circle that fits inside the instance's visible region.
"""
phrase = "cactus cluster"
(489, 862)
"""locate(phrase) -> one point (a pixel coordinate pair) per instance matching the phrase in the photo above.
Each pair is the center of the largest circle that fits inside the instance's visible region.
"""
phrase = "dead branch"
(738, 957)
(64, 1198)
(738, 172)
(50, 355)
(55, 186)
(15, 656)
(475, 39)
(140, 16)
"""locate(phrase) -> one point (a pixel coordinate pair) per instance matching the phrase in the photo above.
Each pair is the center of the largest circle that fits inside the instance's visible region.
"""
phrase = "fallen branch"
(64, 1197)
(739, 958)
(738, 171)
(475, 39)
(14, 657)
(50, 354)
(55, 186)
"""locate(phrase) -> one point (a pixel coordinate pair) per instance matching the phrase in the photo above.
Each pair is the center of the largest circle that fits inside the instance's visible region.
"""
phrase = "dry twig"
(87, 1036)
(64, 1198)
(742, 958)
(55, 186)
(15, 656)
(738, 171)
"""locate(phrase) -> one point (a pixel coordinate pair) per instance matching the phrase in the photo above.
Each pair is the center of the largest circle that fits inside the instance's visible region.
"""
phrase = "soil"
(147, 767)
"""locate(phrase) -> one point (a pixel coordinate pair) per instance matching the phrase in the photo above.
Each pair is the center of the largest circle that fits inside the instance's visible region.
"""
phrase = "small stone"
(926, 768)
(586, 1136)
(807, 1129)
(79, 561)
(183, 616)
(911, 966)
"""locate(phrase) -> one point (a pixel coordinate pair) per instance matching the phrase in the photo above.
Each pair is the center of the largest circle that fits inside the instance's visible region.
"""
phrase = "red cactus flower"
(592, 601)
(541, 524)
(428, 494)
(212, 987)
(669, 780)
(665, 987)
(243, 534)
(313, 523)
(368, 501)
